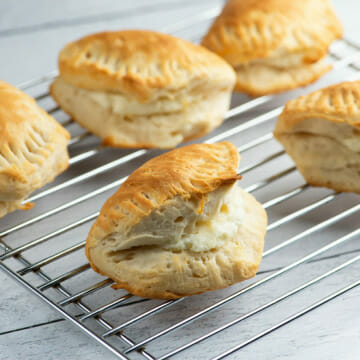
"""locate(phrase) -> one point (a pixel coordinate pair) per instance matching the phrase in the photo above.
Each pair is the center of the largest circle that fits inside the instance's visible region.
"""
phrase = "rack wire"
(57, 272)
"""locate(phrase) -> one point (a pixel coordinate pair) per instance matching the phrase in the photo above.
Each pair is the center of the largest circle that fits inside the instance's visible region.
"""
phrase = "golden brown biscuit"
(274, 45)
(33, 148)
(321, 132)
(180, 226)
(143, 89)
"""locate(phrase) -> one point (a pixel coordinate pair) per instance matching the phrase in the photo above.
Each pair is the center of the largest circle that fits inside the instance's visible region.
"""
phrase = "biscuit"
(274, 45)
(143, 89)
(33, 148)
(179, 226)
(321, 133)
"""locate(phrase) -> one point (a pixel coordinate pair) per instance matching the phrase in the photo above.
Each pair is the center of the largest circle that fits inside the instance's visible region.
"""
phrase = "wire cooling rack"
(43, 249)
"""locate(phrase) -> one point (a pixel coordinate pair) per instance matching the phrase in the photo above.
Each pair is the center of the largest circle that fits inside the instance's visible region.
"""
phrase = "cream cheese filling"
(121, 104)
(214, 230)
(125, 105)
(186, 224)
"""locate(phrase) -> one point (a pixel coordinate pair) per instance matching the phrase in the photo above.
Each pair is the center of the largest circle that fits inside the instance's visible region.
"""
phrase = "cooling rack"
(43, 249)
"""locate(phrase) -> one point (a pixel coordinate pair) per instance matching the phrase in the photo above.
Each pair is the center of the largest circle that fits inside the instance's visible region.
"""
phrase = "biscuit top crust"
(338, 103)
(144, 64)
(28, 135)
(18, 113)
(256, 29)
(190, 172)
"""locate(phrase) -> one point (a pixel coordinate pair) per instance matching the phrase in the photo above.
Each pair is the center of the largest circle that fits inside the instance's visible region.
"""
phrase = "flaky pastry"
(274, 45)
(180, 226)
(33, 148)
(321, 132)
(143, 89)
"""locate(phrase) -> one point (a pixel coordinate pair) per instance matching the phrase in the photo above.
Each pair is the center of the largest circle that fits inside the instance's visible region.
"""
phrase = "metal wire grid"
(94, 319)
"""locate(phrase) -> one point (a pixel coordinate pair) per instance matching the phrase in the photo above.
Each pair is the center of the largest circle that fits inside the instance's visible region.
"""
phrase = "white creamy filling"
(212, 232)
(187, 224)
(125, 105)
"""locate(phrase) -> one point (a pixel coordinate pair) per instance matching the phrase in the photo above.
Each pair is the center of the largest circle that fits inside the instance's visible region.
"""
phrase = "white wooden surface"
(31, 34)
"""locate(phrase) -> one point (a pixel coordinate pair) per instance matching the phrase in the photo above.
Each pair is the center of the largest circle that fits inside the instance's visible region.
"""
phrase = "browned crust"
(125, 61)
(253, 29)
(339, 103)
(27, 206)
(28, 138)
(19, 113)
(163, 295)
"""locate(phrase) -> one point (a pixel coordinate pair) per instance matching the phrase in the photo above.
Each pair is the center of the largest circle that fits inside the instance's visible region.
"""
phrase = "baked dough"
(180, 226)
(143, 89)
(33, 148)
(321, 132)
(274, 45)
